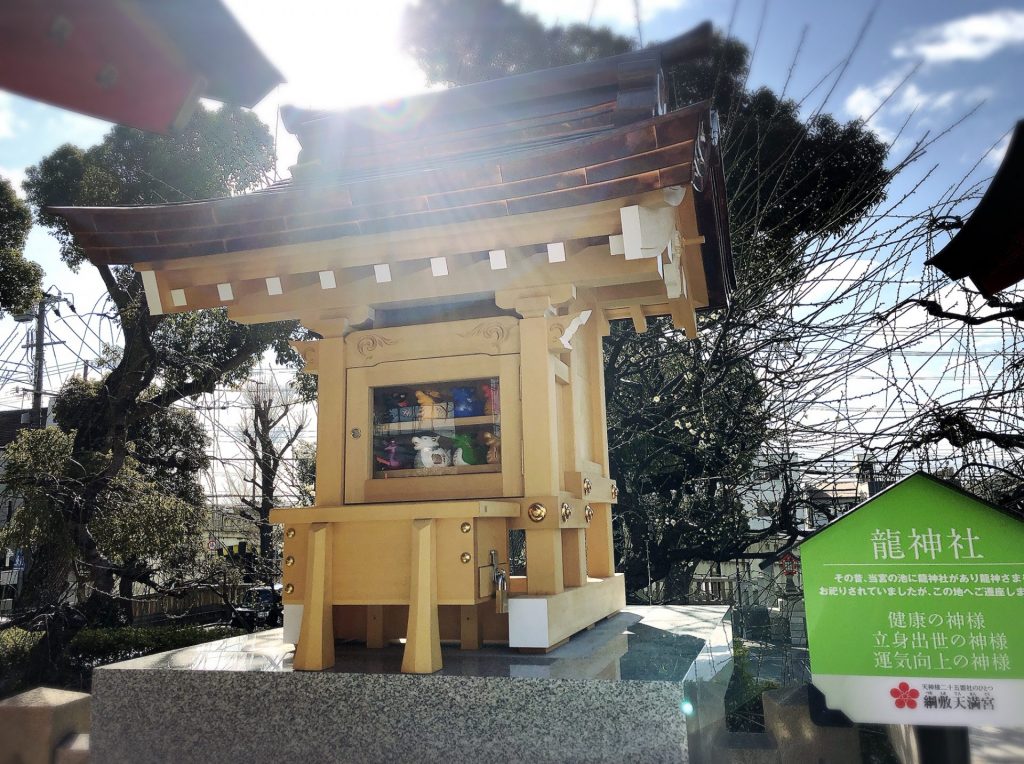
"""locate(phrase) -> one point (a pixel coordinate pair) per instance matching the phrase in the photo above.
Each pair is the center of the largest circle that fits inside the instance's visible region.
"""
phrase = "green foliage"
(139, 521)
(15, 218)
(169, 445)
(680, 409)
(686, 422)
(304, 385)
(97, 647)
(139, 518)
(788, 179)
(218, 153)
(15, 646)
(459, 42)
(91, 648)
(115, 490)
(19, 278)
(193, 346)
(744, 710)
(38, 469)
(20, 282)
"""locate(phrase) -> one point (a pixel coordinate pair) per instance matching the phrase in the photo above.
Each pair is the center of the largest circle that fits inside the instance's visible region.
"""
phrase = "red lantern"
(790, 564)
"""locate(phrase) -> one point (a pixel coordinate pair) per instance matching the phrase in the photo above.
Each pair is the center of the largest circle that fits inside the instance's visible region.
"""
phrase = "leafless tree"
(273, 420)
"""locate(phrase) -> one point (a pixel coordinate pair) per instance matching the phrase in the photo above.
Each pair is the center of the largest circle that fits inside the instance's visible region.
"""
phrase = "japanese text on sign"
(887, 544)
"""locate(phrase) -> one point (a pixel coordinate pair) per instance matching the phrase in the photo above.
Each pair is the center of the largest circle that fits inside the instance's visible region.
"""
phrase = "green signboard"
(915, 608)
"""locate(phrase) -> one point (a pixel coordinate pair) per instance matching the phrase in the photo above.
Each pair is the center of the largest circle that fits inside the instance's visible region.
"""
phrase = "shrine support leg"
(315, 650)
(574, 557)
(600, 545)
(544, 572)
(423, 636)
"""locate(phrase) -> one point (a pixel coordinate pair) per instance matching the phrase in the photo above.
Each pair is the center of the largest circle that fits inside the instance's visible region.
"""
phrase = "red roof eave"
(138, 63)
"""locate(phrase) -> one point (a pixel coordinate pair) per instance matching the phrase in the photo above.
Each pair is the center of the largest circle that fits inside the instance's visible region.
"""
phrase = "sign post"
(915, 609)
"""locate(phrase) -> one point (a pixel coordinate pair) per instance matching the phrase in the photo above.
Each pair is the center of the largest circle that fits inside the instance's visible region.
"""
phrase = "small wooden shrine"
(461, 254)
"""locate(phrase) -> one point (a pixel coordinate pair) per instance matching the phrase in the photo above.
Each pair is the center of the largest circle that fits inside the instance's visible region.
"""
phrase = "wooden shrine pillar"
(600, 542)
(315, 650)
(423, 636)
(544, 570)
(540, 404)
(330, 430)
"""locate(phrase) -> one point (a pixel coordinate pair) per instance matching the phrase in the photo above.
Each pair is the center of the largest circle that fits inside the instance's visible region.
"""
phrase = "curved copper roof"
(555, 140)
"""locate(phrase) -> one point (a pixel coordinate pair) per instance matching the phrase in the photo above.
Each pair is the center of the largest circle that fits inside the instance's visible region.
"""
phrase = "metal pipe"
(500, 578)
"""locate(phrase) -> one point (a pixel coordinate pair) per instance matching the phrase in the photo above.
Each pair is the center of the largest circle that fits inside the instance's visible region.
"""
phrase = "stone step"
(33, 723)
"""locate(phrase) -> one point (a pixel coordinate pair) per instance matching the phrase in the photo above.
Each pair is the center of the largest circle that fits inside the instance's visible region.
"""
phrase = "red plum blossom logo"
(905, 695)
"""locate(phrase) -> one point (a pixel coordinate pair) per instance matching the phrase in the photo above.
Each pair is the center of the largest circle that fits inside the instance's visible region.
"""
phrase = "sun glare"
(334, 55)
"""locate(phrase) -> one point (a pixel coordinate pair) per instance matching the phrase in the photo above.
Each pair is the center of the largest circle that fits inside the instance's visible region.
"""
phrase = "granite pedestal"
(628, 689)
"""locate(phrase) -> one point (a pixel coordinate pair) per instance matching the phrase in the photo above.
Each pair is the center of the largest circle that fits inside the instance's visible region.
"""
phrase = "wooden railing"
(191, 601)
(713, 590)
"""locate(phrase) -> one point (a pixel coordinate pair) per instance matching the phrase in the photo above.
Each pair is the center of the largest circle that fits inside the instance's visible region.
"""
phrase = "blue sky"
(962, 54)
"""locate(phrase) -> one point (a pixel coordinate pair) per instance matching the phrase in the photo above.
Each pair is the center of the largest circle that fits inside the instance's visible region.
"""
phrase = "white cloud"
(995, 156)
(7, 118)
(891, 99)
(15, 177)
(832, 279)
(85, 130)
(970, 38)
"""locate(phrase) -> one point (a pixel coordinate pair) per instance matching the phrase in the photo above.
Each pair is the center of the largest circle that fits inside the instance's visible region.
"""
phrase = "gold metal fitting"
(566, 511)
(289, 561)
(466, 527)
(615, 492)
(537, 511)
(290, 533)
(289, 588)
(588, 513)
(466, 557)
(587, 486)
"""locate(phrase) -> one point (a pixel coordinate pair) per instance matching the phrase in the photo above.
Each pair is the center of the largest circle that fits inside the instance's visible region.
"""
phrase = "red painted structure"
(142, 63)
(989, 248)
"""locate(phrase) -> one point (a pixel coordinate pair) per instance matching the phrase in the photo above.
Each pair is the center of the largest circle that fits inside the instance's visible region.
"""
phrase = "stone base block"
(745, 748)
(621, 691)
(33, 723)
(800, 741)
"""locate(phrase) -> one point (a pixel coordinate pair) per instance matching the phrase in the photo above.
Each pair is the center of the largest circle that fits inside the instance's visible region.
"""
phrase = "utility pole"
(38, 421)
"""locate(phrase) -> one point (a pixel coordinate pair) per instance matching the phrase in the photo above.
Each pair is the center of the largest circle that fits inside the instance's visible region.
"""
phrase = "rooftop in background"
(990, 246)
(142, 63)
(11, 422)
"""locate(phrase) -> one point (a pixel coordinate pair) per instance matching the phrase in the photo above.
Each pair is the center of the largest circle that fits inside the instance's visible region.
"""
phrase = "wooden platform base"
(545, 620)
